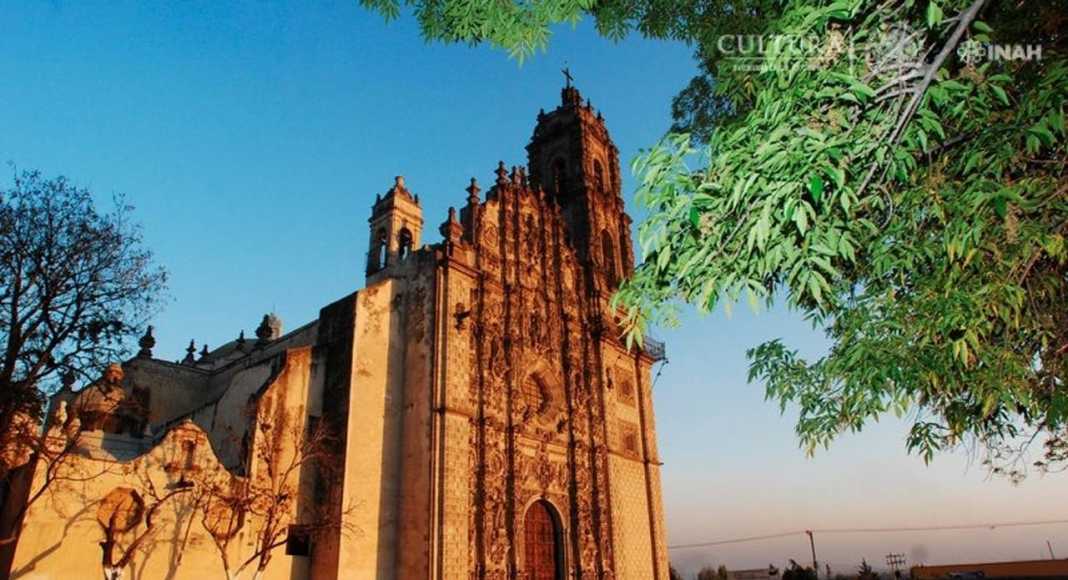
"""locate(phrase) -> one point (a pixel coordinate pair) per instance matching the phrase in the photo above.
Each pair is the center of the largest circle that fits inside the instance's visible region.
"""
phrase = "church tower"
(572, 157)
(396, 223)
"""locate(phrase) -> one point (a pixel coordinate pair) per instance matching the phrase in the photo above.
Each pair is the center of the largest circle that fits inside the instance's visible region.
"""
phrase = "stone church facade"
(492, 424)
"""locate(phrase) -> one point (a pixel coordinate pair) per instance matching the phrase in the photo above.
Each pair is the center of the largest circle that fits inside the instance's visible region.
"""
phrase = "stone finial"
(472, 192)
(570, 97)
(189, 352)
(451, 230)
(204, 351)
(399, 189)
(263, 331)
(502, 174)
(270, 328)
(522, 176)
(146, 343)
(241, 339)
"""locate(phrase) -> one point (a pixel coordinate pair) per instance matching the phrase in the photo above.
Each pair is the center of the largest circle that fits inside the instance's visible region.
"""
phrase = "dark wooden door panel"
(542, 550)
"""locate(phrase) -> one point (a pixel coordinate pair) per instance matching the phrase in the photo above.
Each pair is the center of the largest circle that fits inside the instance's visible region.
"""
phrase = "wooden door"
(542, 544)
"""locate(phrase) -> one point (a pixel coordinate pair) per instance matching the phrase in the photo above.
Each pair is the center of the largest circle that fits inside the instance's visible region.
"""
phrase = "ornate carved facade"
(493, 426)
(534, 366)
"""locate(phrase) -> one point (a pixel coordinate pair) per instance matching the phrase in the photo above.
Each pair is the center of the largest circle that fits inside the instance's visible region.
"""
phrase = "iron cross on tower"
(567, 76)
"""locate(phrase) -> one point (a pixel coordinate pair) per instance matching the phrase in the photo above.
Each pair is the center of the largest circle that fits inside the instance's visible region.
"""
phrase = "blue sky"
(252, 136)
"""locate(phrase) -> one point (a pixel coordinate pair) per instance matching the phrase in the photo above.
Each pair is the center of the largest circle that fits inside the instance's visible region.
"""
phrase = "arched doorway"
(544, 550)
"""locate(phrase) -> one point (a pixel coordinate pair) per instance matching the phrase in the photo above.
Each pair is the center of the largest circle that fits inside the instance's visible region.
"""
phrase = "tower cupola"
(396, 225)
(572, 158)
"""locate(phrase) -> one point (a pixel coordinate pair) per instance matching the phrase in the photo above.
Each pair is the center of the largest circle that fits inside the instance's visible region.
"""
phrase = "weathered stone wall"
(174, 389)
(62, 529)
(372, 407)
(448, 347)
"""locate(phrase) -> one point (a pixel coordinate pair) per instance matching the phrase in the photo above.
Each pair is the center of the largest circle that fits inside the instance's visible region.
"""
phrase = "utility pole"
(896, 563)
(812, 544)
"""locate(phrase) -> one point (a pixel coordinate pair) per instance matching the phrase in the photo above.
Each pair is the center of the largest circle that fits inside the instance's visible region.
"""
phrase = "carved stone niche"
(541, 406)
(624, 386)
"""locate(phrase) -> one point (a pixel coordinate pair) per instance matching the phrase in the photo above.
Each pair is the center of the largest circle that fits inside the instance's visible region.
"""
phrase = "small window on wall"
(404, 244)
(608, 254)
(598, 177)
(559, 177)
(189, 455)
(379, 251)
(630, 442)
(298, 541)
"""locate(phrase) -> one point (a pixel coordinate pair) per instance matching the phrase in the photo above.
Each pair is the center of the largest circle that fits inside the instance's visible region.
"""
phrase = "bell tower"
(573, 159)
(396, 224)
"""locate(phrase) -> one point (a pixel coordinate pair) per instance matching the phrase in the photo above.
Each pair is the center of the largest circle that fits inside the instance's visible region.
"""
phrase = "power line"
(989, 526)
(735, 540)
(941, 528)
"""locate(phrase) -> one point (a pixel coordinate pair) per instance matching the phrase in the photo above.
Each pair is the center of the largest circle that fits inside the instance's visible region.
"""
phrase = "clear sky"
(253, 135)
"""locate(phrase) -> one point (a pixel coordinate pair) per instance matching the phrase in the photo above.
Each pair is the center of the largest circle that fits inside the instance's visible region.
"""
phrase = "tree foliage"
(890, 176)
(865, 571)
(710, 573)
(74, 283)
(796, 571)
(524, 27)
(913, 206)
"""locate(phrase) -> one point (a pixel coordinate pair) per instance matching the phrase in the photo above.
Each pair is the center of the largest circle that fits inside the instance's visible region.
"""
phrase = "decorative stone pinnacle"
(241, 337)
(263, 331)
(146, 343)
(204, 351)
(398, 182)
(472, 192)
(451, 230)
(189, 350)
(502, 174)
(570, 97)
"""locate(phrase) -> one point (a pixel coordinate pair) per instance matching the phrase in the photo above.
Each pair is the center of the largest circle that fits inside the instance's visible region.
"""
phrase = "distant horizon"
(252, 139)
